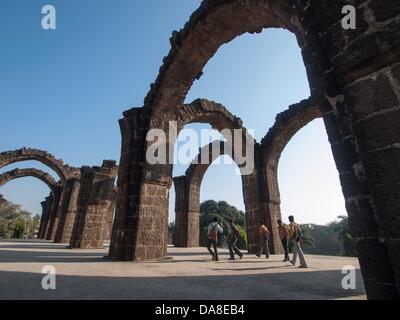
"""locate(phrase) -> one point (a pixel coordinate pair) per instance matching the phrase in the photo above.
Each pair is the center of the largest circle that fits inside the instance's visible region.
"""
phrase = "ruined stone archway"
(286, 125)
(187, 193)
(31, 172)
(230, 126)
(63, 170)
(354, 76)
(53, 185)
(61, 198)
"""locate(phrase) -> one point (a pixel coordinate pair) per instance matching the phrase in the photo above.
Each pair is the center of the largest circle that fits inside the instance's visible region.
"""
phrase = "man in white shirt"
(213, 229)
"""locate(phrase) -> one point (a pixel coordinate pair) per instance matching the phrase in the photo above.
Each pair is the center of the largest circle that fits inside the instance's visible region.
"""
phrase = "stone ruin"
(354, 77)
(80, 207)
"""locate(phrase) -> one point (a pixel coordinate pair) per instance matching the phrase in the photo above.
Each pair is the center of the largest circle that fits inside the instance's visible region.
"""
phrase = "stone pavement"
(190, 274)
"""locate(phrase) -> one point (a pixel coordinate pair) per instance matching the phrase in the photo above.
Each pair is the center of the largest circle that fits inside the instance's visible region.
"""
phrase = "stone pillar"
(53, 220)
(140, 229)
(43, 204)
(186, 232)
(95, 206)
(109, 220)
(46, 217)
(354, 77)
(68, 211)
(2, 201)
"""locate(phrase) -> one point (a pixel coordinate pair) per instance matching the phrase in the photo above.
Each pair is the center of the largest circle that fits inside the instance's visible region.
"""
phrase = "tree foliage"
(331, 239)
(223, 211)
(17, 223)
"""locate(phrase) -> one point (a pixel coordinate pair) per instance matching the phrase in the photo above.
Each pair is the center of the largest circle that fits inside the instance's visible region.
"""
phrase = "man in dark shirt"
(283, 235)
(233, 238)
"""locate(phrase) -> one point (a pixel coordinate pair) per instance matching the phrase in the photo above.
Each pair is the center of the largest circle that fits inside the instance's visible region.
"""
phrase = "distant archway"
(31, 172)
(63, 170)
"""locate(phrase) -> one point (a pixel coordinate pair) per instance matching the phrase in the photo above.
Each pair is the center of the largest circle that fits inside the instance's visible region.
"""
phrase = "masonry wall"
(68, 210)
(95, 206)
(53, 220)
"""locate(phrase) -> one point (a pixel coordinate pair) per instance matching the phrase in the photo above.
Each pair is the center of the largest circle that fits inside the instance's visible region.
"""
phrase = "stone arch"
(63, 170)
(219, 117)
(206, 111)
(286, 125)
(31, 172)
(353, 75)
(187, 193)
(212, 25)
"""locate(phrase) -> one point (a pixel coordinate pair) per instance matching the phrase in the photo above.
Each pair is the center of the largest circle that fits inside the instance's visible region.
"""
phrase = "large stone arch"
(31, 172)
(230, 126)
(187, 194)
(63, 170)
(53, 185)
(286, 125)
(355, 80)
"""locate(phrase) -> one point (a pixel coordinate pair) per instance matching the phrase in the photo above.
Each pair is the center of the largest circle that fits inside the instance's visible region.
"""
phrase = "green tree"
(348, 243)
(15, 222)
(19, 229)
(223, 211)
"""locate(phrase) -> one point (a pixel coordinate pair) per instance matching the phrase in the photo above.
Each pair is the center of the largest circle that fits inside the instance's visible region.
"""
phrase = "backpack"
(265, 233)
(213, 233)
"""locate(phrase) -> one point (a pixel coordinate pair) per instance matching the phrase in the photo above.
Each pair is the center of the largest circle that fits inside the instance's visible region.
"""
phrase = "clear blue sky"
(64, 91)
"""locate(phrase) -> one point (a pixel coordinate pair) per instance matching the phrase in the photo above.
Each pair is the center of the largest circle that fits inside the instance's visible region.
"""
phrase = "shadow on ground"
(304, 285)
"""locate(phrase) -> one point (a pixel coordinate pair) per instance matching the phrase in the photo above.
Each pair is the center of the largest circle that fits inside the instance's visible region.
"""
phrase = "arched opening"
(310, 190)
(27, 192)
(332, 74)
(221, 196)
(18, 220)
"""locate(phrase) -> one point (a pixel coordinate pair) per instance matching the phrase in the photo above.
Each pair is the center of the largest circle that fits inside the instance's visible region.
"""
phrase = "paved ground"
(84, 274)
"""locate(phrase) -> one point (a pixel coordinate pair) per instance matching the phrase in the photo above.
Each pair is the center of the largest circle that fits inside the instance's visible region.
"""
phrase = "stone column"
(53, 220)
(140, 229)
(43, 204)
(257, 206)
(2, 201)
(354, 77)
(69, 208)
(95, 206)
(181, 212)
(49, 203)
(187, 213)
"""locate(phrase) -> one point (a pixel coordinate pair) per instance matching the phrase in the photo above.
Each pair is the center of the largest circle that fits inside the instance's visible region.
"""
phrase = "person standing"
(295, 237)
(283, 235)
(264, 238)
(233, 239)
(213, 229)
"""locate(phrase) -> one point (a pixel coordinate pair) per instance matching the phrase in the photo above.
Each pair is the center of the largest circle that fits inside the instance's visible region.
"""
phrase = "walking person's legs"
(214, 242)
(293, 262)
(236, 249)
(302, 259)
(209, 243)
(266, 246)
(261, 248)
(286, 249)
(231, 248)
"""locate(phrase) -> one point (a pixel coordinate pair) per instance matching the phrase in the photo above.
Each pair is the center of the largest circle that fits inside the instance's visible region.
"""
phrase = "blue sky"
(64, 91)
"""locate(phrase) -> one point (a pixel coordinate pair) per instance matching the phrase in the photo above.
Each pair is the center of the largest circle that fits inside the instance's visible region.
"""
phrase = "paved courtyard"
(189, 274)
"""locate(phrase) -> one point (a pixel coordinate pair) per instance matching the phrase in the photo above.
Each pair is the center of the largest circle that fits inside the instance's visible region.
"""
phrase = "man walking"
(295, 237)
(233, 239)
(264, 238)
(213, 229)
(283, 235)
